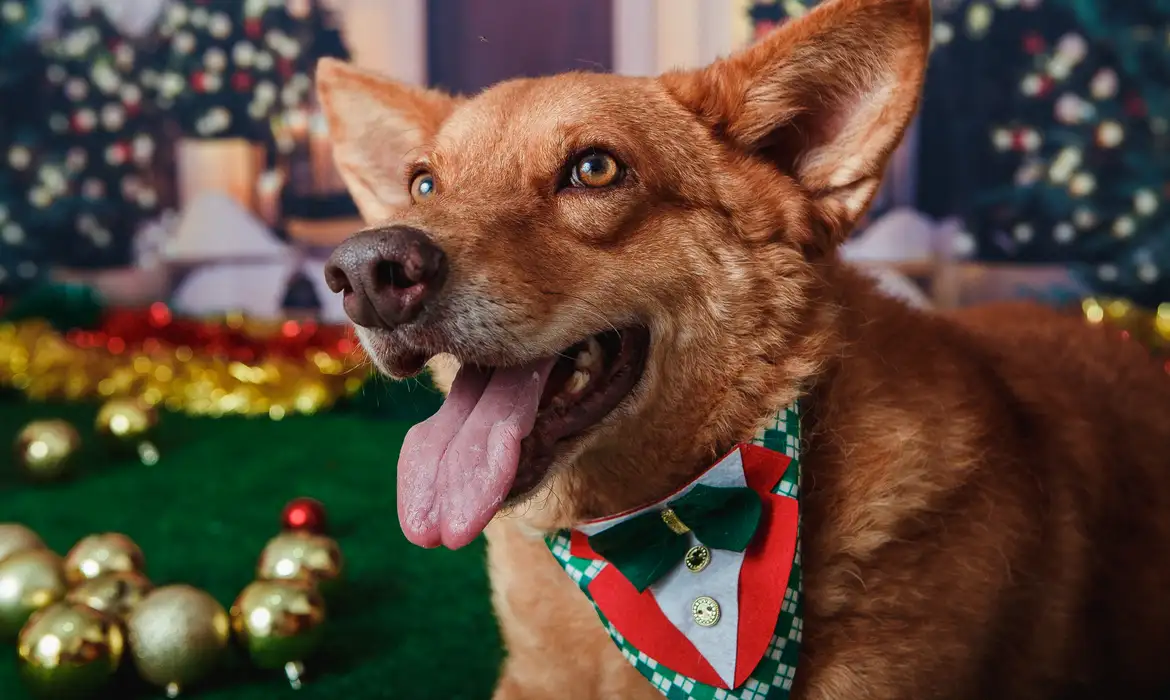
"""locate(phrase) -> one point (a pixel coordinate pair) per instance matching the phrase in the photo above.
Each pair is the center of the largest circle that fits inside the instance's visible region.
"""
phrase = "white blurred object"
(133, 18)
(214, 227)
(902, 235)
(898, 286)
(152, 238)
(330, 308)
(254, 288)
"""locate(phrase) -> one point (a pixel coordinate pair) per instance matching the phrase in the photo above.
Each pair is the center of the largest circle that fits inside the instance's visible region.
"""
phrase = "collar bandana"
(688, 587)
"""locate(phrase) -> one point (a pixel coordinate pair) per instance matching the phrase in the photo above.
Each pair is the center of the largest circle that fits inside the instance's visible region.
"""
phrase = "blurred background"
(168, 200)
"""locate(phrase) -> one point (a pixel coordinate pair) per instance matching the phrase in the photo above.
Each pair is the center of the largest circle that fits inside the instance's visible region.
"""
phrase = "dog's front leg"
(556, 645)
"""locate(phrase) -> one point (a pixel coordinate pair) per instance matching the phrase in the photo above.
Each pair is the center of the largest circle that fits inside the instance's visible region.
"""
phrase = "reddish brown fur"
(987, 494)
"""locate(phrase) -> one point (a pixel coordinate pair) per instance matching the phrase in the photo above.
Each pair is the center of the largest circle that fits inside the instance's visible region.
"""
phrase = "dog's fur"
(987, 494)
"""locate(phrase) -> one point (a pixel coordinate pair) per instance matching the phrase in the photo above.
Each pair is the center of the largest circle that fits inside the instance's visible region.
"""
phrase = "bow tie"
(646, 547)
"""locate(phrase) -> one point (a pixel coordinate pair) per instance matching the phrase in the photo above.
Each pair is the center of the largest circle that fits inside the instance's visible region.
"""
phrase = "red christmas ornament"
(1033, 43)
(252, 27)
(1135, 106)
(198, 81)
(120, 152)
(241, 82)
(304, 514)
(81, 122)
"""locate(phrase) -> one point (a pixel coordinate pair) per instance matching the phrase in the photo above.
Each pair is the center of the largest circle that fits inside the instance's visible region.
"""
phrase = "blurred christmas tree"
(22, 252)
(227, 69)
(96, 113)
(1044, 125)
(1075, 157)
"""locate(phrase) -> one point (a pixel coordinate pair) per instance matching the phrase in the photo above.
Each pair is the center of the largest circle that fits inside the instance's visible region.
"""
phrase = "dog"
(620, 282)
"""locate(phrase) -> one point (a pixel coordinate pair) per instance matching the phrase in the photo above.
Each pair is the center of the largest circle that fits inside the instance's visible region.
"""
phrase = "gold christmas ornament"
(302, 556)
(69, 651)
(114, 594)
(45, 449)
(126, 425)
(280, 623)
(177, 636)
(29, 581)
(125, 420)
(96, 555)
(17, 538)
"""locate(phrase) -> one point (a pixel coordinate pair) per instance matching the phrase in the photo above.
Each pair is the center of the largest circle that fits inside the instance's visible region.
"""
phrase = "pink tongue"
(458, 466)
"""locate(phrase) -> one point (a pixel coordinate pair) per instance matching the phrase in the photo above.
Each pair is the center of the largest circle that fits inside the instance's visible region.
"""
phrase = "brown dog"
(635, 274)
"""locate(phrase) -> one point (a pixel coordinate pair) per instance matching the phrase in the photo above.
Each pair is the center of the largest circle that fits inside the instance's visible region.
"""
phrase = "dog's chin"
(389, 357)
(590, 380)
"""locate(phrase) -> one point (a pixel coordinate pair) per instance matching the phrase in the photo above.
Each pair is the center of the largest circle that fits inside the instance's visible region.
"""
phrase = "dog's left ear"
(826, 97)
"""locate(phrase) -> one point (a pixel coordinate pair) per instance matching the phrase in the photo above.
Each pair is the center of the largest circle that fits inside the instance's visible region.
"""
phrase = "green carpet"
(409, 623)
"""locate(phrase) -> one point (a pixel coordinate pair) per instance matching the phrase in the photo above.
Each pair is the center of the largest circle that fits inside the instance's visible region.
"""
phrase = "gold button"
(705, 611)
(698, 557)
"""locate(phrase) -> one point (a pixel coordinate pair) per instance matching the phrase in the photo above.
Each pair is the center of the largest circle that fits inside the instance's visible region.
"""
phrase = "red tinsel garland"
(230, 338)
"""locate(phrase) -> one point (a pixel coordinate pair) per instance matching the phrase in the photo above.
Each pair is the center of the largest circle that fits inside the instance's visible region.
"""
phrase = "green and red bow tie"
(647, 547)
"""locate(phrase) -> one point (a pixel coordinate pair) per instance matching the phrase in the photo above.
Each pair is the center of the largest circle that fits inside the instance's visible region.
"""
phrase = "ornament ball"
(96, 555)
(114, 594)
(177, 636)
(29, 580)
(69, 651)
(302, 556)
(125, 425)
(305, 514)
(45, 449)
(280, 624)
(17, 538)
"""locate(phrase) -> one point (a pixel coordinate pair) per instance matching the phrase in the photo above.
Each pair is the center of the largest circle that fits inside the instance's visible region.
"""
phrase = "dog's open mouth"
(500, 429)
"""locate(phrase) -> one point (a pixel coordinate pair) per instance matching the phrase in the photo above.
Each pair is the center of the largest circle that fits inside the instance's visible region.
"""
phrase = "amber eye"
(422, 186)
(596, 170)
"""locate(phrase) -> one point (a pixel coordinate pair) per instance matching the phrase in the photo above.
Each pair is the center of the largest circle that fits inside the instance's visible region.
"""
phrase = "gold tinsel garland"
(43, 365)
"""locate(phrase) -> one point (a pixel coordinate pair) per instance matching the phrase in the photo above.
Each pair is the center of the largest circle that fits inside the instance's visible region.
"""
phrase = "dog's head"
(626, 270)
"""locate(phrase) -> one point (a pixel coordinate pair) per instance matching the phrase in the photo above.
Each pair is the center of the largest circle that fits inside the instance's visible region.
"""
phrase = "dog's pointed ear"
(826, 97)
(374, 124)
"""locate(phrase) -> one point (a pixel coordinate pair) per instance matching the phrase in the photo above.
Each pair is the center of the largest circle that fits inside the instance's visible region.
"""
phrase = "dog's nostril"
(391, 274)
(336, 279)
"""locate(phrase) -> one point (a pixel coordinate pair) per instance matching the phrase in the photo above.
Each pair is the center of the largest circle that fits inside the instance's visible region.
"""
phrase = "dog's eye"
(422, 186)
(596, 169)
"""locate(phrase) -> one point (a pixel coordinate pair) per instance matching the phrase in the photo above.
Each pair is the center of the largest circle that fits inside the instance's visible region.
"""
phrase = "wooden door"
(472, 44)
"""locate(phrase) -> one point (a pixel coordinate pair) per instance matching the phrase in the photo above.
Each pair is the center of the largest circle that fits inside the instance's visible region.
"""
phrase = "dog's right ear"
(374, 124)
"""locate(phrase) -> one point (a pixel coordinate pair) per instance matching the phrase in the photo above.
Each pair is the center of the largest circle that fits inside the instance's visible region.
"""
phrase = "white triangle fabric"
(256, 289)
(215, 228)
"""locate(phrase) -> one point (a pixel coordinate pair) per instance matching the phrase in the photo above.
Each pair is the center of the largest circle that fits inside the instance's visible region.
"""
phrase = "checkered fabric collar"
(697, 609)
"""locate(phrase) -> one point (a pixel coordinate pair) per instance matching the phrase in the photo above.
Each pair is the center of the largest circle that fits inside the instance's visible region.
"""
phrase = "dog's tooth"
(577, 382)
(590, 355)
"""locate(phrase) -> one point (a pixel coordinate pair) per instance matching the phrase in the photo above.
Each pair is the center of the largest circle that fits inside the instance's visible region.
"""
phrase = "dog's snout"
(387, 276)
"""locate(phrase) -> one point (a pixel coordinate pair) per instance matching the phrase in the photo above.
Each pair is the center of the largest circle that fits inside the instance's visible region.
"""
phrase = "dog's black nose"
(386, 275)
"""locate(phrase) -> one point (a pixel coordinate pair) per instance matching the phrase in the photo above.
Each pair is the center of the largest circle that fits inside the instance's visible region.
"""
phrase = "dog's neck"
(686, 435)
